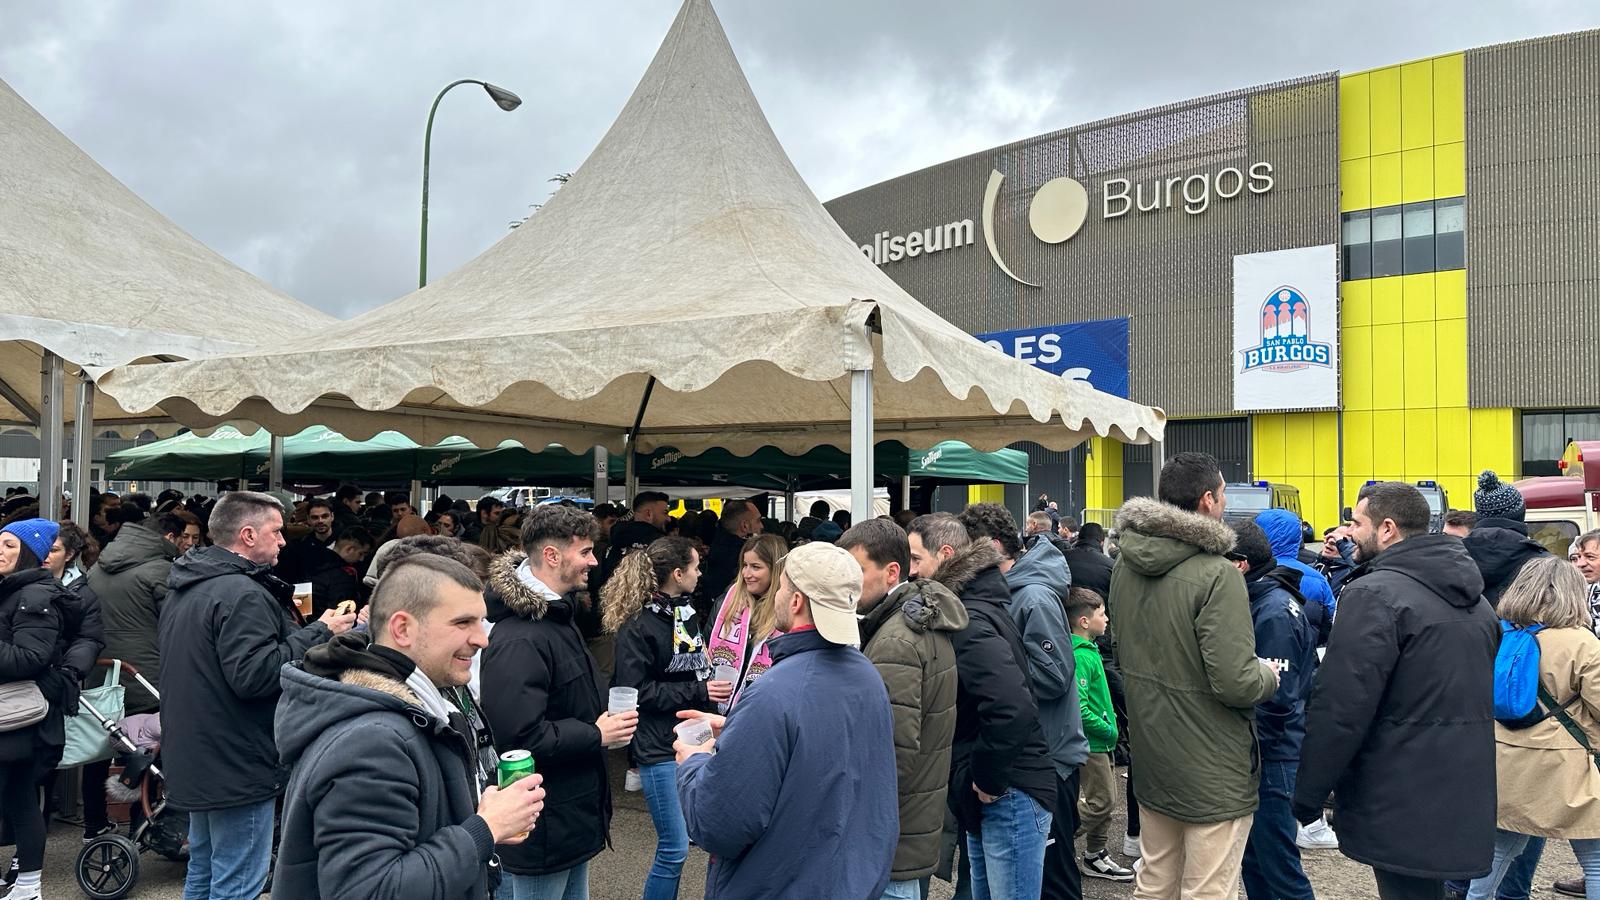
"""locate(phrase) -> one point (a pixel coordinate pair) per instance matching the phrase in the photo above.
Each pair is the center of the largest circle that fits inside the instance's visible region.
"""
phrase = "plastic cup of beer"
(693, 732)
(302, 598)
(621, 700)
(727, 673)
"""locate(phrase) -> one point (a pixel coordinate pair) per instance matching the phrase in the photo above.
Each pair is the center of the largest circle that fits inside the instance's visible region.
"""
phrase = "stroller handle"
(131, 669)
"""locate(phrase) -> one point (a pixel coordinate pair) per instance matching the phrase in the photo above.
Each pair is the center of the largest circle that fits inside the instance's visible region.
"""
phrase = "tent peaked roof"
(93, 274)
(686, 248)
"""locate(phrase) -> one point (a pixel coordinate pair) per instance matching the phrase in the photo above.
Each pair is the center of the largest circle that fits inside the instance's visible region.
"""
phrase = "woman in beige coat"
(1548, 782)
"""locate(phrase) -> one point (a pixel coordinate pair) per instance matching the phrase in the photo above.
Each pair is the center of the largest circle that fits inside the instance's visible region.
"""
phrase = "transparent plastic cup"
(693, 732)
(621, 700)
(730, 674)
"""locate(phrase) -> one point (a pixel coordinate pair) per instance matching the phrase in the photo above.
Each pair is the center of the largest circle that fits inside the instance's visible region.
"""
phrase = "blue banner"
(1096, 352)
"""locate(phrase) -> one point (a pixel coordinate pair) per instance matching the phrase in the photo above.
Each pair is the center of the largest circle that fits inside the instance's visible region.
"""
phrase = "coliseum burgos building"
(1449, 211)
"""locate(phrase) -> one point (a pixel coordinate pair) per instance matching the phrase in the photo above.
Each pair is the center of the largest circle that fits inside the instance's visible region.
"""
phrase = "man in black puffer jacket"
(1499, 542)
(1400, 726)
(227, 628)
(1001, 773)
(542, 693)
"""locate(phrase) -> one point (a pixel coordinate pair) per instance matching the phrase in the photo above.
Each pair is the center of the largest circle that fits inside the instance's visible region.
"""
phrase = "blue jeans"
(229, 852)
(1271, 860)
(1008, 857)
(660, 782)
(902, 890)
(1518, 883)
(568, 884)
(1507, 846)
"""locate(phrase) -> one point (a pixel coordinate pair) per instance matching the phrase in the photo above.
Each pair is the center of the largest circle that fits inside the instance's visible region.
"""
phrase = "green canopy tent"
(187, 457)
(320, 454)
(949, 462)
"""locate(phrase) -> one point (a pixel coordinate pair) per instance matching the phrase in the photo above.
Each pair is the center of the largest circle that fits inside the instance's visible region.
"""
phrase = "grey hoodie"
(1039, 581)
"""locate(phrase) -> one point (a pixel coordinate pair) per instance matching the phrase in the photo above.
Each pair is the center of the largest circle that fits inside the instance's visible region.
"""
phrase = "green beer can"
(514, 765)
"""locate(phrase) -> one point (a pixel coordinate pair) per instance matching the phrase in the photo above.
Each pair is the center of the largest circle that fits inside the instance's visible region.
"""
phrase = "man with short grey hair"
(227, 627)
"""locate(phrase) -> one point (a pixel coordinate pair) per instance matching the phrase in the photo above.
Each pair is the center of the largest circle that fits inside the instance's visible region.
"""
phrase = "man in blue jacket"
(1283, 532)
(799, 800)
(1287, 640)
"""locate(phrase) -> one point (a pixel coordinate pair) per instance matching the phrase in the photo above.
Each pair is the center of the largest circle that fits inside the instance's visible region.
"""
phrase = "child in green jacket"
(1086, 613)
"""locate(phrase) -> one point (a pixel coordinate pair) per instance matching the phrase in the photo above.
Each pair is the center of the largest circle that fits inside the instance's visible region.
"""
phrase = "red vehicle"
(1561, 507)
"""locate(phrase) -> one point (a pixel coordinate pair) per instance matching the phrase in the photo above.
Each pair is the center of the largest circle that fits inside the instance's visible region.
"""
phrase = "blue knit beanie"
(37, 535)
(1496, 499)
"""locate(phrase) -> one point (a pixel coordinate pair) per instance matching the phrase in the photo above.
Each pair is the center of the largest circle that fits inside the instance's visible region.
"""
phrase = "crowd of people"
(826, 708)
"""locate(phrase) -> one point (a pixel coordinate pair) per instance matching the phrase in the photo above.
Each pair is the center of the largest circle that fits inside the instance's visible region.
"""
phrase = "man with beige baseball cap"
(795, 796)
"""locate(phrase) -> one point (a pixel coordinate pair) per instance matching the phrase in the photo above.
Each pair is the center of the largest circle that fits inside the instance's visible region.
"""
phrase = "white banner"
(1286, 329)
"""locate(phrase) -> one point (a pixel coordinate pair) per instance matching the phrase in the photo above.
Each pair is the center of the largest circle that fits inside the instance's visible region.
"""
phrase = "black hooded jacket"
(542, 693)
(1400, 727)
(649, 659)
(1500, 547)
(226, 629)
(999, 743)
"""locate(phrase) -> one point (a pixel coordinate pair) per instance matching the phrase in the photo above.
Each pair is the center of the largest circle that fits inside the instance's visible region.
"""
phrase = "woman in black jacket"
(661, 652)
(82, 639)
(30, 624)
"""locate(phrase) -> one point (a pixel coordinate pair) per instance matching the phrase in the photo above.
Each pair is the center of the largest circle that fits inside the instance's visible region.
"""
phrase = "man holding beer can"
(386, 798)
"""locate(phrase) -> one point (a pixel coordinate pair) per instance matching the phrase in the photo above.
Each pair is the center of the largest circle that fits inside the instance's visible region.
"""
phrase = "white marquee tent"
(685, 283)
(92, 276)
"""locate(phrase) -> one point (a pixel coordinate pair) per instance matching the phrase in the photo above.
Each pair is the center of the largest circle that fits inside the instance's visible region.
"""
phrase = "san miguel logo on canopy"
(1286, 345)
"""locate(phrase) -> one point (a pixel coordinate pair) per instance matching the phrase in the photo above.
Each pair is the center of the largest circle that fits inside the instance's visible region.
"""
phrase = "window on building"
(1449, 227)
(1417, 225)
(1545, 435)
(1357, 240)
(1387, 256)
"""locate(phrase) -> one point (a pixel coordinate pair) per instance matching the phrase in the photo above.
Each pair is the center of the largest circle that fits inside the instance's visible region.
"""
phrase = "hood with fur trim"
(1153, 537)
(311, 704)
(958, 571)
(508, 594)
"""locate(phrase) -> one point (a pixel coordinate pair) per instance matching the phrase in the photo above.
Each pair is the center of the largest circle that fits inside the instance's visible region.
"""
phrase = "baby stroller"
(108, 866)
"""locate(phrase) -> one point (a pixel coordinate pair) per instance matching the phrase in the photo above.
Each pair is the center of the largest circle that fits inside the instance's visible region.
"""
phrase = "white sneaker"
(631, 783)
(35, 892)
(1130, 847)
(1101, 865)
(1319, 835)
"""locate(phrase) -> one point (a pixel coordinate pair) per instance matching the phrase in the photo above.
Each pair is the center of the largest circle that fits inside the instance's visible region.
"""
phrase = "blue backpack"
(1516, 677)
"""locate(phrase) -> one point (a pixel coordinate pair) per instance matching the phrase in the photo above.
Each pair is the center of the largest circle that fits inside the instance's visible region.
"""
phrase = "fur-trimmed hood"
(311, 704)
(1153, 537)
(511, 592)
(958, 571)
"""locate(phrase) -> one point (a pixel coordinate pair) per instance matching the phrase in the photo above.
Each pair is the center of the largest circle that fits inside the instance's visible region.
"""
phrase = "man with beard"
(1401, 721)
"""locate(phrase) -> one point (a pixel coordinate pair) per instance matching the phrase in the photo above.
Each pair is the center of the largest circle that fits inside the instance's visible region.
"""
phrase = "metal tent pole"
(861, 468)
(52, 434)
(905, 492)
(275, 464)
(83, 451)
(630, 474)
(1158, 458)
(601, 472)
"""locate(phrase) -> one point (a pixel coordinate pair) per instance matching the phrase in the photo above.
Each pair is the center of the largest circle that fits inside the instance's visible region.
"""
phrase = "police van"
(1248, 498)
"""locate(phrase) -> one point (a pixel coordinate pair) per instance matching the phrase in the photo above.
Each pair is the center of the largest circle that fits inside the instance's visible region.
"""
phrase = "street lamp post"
(504, 99)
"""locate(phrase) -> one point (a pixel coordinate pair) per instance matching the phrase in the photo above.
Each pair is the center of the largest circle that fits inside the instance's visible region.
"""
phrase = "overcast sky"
(288, 135)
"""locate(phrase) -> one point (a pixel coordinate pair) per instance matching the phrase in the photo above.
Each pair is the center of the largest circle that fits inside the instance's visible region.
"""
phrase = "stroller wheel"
(108, 867)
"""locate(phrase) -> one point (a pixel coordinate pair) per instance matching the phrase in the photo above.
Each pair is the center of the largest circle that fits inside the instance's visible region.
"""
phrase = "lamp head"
(503, 98)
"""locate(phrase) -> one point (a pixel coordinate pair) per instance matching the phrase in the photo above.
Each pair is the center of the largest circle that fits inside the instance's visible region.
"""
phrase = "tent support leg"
(417, 502)
(905, 492)
(861, 468)
(52, 434)
(275, 464)
(1158, 459)
(600, 472)
(83, 451)
(630, 478)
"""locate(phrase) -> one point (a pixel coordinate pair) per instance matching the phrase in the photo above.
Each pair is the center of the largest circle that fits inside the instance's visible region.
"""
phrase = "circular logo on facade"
(1058, 210)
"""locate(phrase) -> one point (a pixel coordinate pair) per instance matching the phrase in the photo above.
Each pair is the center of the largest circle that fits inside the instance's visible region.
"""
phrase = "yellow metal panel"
(1266, 446)
(1323, 509)
(1416, 297)
(1416, 105)
(986, 493)
(1355, 367)
(1386, 183)
(1389, 442)
(1450, 294)
(1385, 115)
(1449, 99)
(1355, 184)
(1458, 490)
(1416, 175)
(1325, 443)
(1494, 442)
(1355, 303)
(1299, 446)
(1388, 368)
(1422, 441)
(1387, 300)
(1450, 361)
(1450, 170)
(1354, 117)
(1421, 373)
(1455, 442)
(1358, 444)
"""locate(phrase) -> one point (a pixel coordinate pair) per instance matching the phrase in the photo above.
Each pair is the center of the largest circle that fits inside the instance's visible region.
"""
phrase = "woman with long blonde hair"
(745, 621)
(1547, 774)
(661, 653)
